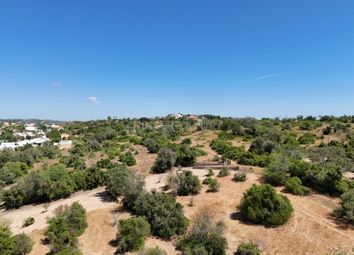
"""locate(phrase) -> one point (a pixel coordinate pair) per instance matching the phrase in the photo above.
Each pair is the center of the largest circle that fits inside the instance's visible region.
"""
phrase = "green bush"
(210, 172)
(248, 249)
(166, 159)
(13, 245)
(163, 213)
(294, 186)
(51, 183)
(307, 138)
(127, 158)
(153, 251)
(224, 172)
(69, 223)
(23, 244)
(186, 156)
(346, 209)
(132, 234)
(262, 205)
(185, 183)
(205, 237)
(207, 180)
(240, 177)
(28, 222)
(12, 170)
(214, 186)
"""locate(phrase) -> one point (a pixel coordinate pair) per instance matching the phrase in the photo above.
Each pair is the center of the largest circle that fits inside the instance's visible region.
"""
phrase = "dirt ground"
(310, 230)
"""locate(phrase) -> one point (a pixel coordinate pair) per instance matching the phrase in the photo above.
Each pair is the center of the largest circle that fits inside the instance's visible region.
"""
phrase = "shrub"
(13, 245)
(119, 179)
(207, 180)
(307, 138)
(163, 213)
(23, 244)
(205, 237)
(186, 156)
(68, 223)
(128, 159)
(240, 177)
(210, 172)
(214, 186)
(294, 186)
(166, 159)
(185, 183)
(248, 249)
(346, 209)
(153, 251)
(49, 184)
(262, 205)
(12, 170)
(132, 234)
(224, 172)
(28, 222)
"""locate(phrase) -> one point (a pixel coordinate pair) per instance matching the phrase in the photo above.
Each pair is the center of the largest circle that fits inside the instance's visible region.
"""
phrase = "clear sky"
(87, 59)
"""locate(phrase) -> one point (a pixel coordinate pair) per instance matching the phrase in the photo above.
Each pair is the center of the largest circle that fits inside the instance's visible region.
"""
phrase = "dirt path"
(91, 200)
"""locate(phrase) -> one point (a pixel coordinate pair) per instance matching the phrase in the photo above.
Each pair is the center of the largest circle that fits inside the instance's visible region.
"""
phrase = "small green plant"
(214, 186)
(224, 172)
(240, 177)
(248, 249)
(207, 180)
(294, 186)
(210, 172)
(28, 222)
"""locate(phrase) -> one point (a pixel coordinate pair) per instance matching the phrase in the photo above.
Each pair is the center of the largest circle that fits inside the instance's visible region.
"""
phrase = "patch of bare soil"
(101, 232)
(144, 159)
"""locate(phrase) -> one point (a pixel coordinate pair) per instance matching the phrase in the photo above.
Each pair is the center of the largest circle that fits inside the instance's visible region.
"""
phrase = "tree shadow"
(340, 222)
(113, 242)
(105, 197)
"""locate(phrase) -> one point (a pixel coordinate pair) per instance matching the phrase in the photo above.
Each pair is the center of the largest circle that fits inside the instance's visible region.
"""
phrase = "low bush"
(185, 183)
(166, 159)
(224, 172)
(262, 205)
(240, 177)
(294, 186)
(214, 186)
(345, 210)
(248, 249)
(153, 251)
(132, 234)
(68, 223)
(127, 158)
(205, 237)
(28, 222)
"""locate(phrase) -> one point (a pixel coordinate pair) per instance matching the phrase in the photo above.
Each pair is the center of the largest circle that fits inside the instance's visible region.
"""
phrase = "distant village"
(19, 134)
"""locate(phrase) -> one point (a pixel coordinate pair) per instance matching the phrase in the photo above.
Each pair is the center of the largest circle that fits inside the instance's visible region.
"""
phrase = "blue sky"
(87, 59)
